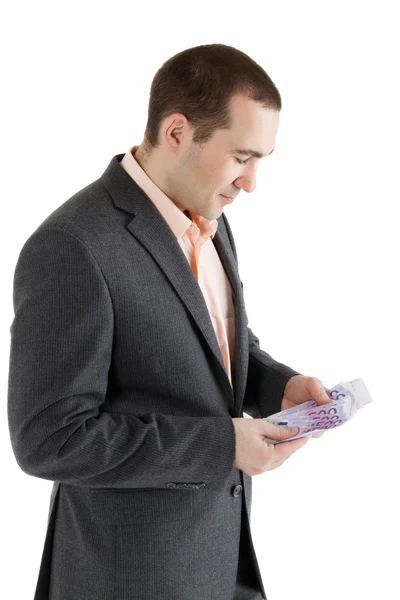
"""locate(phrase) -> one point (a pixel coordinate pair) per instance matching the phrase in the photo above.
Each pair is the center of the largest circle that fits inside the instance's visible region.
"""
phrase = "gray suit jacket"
(119, 395)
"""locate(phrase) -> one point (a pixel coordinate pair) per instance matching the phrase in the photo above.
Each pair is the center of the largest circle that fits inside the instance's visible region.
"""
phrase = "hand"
(301, 388)
(253, 455)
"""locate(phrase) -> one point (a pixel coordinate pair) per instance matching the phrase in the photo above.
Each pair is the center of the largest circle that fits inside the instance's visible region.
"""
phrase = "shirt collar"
(177, 220)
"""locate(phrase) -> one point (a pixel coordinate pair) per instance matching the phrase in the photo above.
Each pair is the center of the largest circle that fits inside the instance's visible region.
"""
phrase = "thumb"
(277, 432)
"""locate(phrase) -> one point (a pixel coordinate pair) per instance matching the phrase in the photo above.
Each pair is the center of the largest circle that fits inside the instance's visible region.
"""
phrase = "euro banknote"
(310, 417)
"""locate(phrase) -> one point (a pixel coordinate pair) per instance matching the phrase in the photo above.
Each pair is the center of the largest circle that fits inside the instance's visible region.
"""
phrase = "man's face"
(201, 176)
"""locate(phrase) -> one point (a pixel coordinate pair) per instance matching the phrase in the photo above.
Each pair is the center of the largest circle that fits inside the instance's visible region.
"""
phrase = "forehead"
(253, 126)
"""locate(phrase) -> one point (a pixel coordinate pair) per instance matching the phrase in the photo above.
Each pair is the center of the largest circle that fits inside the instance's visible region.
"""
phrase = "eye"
(241, 162)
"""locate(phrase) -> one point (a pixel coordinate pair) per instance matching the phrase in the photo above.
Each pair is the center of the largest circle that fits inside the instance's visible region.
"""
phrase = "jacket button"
(181, 485)
(200, 485)
(191, 486)
(171, 485)
(237, 490)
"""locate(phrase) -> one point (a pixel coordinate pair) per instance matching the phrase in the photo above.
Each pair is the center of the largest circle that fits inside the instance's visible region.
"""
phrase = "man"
(132, 363)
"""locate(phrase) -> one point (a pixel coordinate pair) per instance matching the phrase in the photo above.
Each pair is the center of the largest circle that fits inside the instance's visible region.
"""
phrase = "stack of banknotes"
(310, 417)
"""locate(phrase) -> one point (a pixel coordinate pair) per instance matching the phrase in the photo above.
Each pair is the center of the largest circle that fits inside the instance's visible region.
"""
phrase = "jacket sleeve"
(266, 377)
(60, 355)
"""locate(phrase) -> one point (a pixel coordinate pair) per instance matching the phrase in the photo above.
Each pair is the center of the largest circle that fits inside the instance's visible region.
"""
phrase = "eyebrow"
(251, 152)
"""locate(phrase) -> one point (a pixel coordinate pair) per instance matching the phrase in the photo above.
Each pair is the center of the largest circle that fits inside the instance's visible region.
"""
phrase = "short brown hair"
(199, 82)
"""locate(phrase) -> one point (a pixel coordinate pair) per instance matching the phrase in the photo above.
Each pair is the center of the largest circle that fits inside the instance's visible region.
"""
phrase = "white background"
(318, 246)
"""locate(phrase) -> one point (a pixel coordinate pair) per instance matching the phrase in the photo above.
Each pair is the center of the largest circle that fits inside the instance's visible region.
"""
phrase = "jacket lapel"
(152, 231)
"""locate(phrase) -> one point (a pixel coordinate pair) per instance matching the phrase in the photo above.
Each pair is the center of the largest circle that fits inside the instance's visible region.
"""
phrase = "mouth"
(227, 198)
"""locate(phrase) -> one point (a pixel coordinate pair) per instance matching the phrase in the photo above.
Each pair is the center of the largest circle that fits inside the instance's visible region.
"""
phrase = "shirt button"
(236, 490)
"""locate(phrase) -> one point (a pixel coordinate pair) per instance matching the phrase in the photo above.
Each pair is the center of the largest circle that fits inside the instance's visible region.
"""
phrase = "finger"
(319, 392)
(286, 449)
(327, 396)
(277, 464)
(277, 432)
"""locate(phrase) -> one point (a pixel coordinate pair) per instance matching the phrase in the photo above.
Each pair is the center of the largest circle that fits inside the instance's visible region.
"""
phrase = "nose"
(247, 181)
